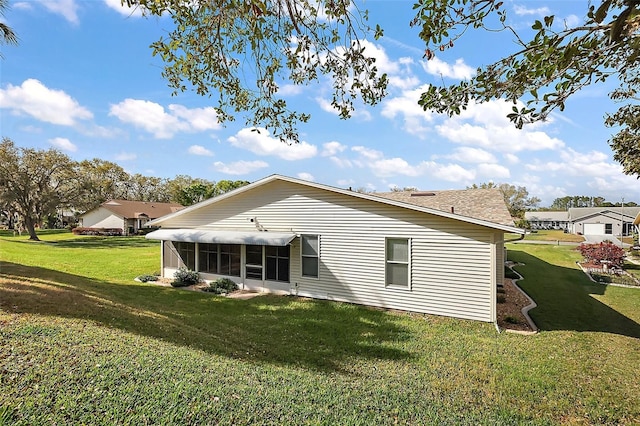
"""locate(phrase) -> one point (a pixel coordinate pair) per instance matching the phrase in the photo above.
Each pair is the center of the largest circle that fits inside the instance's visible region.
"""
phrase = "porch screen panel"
(253, 267)
(171, 255)
(187, 252)
(230, 260)
(208, 258)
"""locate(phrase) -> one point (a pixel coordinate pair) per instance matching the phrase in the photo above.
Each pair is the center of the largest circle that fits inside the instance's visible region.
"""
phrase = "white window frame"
(302, 256)
(408, 286)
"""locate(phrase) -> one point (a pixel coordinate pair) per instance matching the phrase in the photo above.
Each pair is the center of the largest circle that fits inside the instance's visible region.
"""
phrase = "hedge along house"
(289, 236)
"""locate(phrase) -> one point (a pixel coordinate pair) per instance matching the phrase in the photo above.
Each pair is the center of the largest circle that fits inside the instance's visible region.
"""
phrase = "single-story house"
(130, 216)
(603, 220)
(586, 220)
(548, 220)
(289, 236)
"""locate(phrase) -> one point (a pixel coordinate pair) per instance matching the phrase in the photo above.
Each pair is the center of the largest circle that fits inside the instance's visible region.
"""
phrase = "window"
(310, 256)
(208, 258)
(608, 228)
(230, 260)
(397, 265)
(277, 263)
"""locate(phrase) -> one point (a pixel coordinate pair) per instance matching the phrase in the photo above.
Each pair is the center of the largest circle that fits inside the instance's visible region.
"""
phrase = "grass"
(553, 235)
(82, 343)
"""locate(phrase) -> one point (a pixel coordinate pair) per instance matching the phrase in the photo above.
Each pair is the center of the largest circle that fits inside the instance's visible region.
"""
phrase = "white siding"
(454, 264)
(102, 218)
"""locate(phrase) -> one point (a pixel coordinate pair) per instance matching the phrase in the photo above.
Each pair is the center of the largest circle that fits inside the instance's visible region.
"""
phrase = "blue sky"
(83, 80)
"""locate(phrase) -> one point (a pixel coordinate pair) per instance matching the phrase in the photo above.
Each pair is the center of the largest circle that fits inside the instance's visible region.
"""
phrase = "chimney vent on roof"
(452, 209)
(423, 194)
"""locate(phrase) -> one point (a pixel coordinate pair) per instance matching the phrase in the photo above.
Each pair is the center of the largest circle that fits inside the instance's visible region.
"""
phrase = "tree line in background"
(36, 185)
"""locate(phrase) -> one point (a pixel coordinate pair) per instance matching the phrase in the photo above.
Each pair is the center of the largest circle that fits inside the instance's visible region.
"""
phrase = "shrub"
(222, 285)
(511, 320)
(97, 231)
(146, 278)
(605, 252)
(501, 298)
(510, 273)
(184, 277)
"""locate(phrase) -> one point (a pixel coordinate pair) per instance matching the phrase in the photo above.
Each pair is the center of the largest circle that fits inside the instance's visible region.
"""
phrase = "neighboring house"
(586, 220)
(548, 220)
(130, 216)
(290, 236)
(603, 220)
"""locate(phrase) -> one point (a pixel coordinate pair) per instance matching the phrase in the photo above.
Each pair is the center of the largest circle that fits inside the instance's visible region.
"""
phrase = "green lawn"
(550, 235)
(82, 343)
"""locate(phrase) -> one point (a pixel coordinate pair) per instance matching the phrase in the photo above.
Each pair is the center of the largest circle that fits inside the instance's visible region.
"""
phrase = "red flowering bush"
(603, 253)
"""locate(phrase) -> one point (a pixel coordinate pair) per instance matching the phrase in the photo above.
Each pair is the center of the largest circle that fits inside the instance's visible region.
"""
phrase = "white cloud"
(63, 144)
(492, 171)
(48, 105)
(126, 156)
(388, 167)
(459, 70)
(66, 8)
(332, 148)
(449, 172)
(326, 106)
(345, 182)
(258, 141)
(290, 89)
(383, 63)
(415, 118)
(394, 167)
(22, 5)
(343, 163)
(199, 119)
(524, 11)
(124, 9)
(239, 167)
(467, 154)
(153, 118)
(306, 176)
(571, 21)
(200, 150)
(511, 158)
(486, 125)
(574, 163)
(368, 153)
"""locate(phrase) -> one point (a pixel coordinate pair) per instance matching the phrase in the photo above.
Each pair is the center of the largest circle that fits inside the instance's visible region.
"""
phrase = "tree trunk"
(29, 223)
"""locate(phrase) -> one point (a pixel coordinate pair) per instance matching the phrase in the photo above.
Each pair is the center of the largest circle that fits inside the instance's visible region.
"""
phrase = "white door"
(593, 229)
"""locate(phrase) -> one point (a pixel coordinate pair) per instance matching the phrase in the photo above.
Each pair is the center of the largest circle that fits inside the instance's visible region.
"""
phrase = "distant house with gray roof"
(586, 220)
(548, 220)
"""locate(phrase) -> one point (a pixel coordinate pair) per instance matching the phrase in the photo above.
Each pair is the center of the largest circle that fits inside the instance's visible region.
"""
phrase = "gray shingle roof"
(485, 204)
(578, 212)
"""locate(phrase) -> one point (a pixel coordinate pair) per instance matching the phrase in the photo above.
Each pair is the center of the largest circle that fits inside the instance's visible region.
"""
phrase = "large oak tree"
(34, 183)
(243, 51)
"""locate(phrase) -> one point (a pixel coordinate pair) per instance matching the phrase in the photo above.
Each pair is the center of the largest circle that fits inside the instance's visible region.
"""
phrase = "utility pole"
(622, 223)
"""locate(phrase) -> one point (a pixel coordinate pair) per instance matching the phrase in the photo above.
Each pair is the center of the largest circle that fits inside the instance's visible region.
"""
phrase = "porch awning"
(260, 238)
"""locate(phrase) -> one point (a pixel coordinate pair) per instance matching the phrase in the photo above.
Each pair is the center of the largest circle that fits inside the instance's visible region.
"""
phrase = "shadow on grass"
(282, 330)
(565, 299)
(93, 242)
